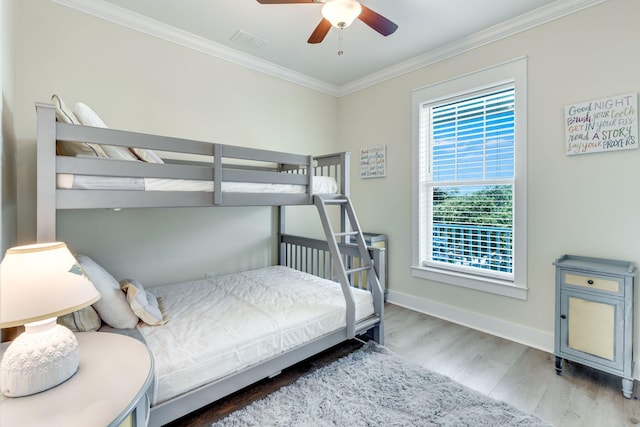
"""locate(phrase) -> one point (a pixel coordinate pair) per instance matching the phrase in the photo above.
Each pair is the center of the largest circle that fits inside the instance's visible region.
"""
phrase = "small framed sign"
(607, 124)
(373, 162)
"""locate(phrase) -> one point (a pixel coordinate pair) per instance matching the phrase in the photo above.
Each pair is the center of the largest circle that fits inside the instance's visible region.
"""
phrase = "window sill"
(484, 284)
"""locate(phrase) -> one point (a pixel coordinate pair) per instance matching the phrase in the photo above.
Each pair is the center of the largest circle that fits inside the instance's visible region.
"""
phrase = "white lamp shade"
(41, 281)
(341, 13)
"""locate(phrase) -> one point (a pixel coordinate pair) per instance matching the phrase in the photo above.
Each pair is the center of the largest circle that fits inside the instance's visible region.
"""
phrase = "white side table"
(109, 388)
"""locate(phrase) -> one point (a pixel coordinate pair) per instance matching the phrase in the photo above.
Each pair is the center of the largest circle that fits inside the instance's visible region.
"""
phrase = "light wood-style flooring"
(508, 371)
(511, 372)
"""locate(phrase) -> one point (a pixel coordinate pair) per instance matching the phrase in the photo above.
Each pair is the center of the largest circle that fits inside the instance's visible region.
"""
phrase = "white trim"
(118, 15)
(543, 15)
(514, 72)
(535, 338)
(471, 281)
(135, 21)
(512, 331)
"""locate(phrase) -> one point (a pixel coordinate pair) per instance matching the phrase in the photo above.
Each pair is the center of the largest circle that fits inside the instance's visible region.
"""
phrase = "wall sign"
(607, 124)
(373, 162)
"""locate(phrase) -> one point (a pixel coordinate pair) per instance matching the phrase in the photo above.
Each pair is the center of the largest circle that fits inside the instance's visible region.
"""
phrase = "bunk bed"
(190, 173)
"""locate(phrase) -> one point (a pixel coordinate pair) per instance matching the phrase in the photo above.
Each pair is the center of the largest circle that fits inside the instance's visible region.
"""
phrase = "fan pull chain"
(340, 51)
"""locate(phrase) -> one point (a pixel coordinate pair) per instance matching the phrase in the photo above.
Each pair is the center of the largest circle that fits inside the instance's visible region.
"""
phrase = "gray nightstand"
(109, 389)
(594, 315)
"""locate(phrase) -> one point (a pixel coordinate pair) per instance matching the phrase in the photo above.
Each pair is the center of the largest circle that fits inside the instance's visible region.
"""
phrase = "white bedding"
(218, 326)
(321, 185)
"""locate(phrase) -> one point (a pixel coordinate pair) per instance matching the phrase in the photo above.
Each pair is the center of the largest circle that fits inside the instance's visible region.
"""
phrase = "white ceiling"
(428, 30)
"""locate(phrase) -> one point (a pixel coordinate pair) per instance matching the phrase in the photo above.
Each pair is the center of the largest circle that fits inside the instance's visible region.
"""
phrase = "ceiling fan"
(340, 14)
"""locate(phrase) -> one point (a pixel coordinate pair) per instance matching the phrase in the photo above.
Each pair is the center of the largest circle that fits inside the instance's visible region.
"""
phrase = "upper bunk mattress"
(221, 325)
(321, 185)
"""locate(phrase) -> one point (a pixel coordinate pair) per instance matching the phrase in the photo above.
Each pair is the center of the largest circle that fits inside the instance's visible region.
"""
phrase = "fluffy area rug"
(374, 387)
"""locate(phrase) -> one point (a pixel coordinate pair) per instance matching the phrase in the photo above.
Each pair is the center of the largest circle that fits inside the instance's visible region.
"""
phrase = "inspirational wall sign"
(373, 162)
(607, 124)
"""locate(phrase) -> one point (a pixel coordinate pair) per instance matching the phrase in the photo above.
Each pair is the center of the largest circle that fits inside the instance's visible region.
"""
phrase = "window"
(470, 180)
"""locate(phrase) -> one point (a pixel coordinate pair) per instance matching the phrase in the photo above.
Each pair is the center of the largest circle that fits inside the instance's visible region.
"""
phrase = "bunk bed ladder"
(345, 275)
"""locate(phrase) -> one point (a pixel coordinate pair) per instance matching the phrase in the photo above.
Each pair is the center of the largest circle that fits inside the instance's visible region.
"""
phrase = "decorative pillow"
(143, 303)
(64, 114)
(147, 155)
(84, 320)
(72, 148)
(112, 307)
(88, 117)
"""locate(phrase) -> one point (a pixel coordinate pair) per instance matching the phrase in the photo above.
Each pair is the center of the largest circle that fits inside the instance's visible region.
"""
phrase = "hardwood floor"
(511, 372)
(217, 410)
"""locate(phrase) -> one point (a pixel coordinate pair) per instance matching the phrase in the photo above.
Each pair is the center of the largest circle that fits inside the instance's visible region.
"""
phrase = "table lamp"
(38, 283)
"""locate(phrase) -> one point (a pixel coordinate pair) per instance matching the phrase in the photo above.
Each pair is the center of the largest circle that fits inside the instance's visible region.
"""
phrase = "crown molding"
(118, 15)
(543, 15)
(135, 21)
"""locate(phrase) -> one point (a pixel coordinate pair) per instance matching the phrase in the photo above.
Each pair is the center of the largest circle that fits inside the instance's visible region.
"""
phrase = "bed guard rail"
(184, 159)
(336, 165)
(312, 256)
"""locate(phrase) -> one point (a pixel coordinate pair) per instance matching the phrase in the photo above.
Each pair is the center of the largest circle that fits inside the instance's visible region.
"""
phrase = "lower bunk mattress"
(221, 325)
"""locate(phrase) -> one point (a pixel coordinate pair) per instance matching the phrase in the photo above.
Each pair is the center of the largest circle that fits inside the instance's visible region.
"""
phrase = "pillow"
(84, 320)
(64, 114)
(112, 307)
(143, 303)
(87, 117)
(147, 155)
(73, 148)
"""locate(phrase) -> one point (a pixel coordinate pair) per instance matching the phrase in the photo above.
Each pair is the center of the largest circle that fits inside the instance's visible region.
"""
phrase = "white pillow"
(73, 148)
(112, 307)
(64, 114)
(87, 117)
(148, 156)
(143, 303)
(84, 320)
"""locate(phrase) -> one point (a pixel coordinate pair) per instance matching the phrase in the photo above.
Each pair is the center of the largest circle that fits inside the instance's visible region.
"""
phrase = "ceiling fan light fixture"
(341, 13)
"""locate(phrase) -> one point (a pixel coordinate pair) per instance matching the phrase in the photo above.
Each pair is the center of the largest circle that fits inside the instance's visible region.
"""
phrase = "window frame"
(508, 73)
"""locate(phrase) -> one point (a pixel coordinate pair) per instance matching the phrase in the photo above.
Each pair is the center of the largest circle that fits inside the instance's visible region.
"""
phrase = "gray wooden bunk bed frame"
(334, 258)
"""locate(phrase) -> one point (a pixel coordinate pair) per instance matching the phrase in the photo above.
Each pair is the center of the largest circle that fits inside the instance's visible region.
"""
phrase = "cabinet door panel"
(592, 330)
(591, 327)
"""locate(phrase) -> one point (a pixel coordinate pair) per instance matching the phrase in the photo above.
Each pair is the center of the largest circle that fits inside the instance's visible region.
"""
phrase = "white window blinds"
(470, 182)
(469, 210)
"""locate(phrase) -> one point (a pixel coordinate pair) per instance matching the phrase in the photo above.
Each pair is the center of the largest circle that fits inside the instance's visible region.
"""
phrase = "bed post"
(310, 174)
(217, 174)
(379, 265)
(345, 173)
(345, 186)
(282, 254)
(45, 173)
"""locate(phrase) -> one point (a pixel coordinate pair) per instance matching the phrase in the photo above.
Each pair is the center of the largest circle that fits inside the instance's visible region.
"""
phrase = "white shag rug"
(374, 387)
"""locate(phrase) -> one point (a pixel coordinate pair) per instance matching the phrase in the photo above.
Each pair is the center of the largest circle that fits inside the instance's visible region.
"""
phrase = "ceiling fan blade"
(284, 1)
(320, 32)
(377, 21)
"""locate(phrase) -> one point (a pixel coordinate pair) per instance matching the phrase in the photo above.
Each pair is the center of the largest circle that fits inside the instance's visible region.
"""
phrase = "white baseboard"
(521, 334)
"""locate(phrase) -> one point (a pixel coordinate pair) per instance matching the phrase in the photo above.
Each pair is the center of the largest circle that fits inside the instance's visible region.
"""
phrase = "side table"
(594, 315)
(109, 388)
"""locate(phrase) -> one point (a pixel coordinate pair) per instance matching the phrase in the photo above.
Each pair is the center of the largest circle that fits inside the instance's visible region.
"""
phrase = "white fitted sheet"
(221, 325)
(321, 185)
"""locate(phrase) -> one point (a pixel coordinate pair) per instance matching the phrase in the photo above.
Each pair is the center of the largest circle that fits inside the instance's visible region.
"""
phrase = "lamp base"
(45, 355)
